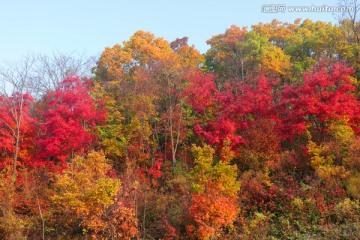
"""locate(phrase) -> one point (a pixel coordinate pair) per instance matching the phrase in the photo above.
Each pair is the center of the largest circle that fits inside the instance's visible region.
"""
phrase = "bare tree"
(349, 20)
(350, 27)
(14, 83)
(33, 75)
(49, 71)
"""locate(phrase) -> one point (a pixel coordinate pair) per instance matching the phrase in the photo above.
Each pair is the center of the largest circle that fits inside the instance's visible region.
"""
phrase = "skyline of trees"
(257, 138)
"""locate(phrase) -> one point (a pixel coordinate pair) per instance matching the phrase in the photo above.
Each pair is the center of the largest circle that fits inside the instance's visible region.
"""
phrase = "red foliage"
(170, 230)
(69, 120)
(256, 195)
(14, 112)
(155, 170)
(232, 111)
(201, 92)
(323, 96)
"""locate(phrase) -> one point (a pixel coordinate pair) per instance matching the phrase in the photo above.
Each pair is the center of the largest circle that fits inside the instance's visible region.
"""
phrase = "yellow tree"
(140, 83)
(85, 193)
(239, 54)
(214, 200)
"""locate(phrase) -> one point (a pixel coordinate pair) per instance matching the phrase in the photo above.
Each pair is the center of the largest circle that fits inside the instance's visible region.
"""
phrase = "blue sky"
(43, 26)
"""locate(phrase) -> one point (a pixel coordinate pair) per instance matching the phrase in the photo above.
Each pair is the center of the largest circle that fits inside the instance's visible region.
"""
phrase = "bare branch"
(50, 71)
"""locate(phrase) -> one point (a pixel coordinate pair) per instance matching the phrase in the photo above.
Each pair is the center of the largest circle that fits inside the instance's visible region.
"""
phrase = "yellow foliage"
(206, 173)
(347, 209)
(353, 186)
(322, 160)
(86, 191)
(11, 224)
(329, 173)
(342, 132)
(274, 59)
(214, 204)
(227, 154)
(321, 155)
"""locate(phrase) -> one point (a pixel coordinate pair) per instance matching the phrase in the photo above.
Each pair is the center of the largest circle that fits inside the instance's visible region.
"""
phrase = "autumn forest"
(258, 138)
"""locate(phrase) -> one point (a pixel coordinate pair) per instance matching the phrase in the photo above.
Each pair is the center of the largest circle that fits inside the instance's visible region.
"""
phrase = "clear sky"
(43, 26)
